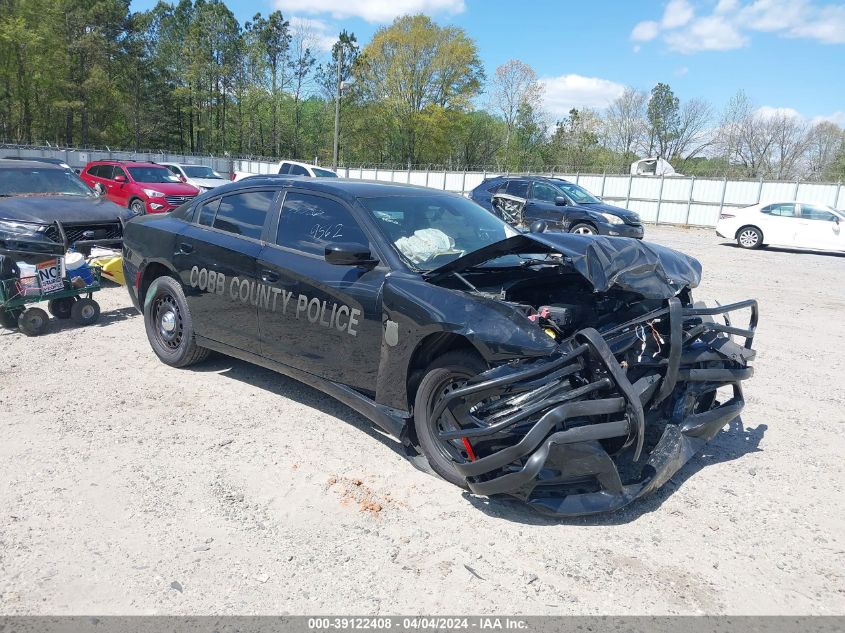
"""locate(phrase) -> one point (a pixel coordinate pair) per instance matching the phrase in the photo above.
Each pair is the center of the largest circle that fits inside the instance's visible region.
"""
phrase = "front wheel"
(33, 322)
(449, 372)
(61, 308)
(85, 312)
(749, 237)
(137, 206)
(583, 229)
(169, 326)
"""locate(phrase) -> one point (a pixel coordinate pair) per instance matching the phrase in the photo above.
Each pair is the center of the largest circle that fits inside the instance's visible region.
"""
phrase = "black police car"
(562, 205)
(572, 372)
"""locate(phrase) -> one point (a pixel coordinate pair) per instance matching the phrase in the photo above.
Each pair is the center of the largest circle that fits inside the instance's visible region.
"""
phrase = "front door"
(215, 257)
(119, 191)
(818, 228)
(541, 206)
(322, 318)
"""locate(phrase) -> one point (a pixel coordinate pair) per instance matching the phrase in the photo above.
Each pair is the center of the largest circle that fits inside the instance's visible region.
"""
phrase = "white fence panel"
(817, 194)
(778, 191)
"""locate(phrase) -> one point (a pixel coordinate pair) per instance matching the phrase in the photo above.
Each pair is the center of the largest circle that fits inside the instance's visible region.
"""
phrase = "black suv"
(562, 205)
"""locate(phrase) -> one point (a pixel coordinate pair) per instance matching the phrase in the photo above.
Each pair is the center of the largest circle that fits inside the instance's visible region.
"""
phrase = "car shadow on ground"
(61, 325)
(286, 387)
(786, 249)
(732, 443)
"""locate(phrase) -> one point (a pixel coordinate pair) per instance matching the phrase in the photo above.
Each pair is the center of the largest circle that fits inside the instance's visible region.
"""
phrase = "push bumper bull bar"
(567, 434)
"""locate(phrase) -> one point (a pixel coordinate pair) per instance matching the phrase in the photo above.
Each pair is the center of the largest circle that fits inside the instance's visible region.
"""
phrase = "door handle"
(185, 248)
(268, 276)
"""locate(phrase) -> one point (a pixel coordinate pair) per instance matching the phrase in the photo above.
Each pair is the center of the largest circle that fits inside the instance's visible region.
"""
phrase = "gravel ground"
(129, 487)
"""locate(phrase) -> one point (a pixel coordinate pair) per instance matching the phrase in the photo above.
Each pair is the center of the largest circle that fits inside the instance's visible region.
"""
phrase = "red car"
(143, 187)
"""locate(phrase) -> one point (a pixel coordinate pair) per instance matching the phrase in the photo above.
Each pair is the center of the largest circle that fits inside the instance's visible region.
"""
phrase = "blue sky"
(786, 54)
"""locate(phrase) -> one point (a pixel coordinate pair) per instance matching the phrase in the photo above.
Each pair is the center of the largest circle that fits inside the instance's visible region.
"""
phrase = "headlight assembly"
(152, 193)
(21, 228)
(612, 219)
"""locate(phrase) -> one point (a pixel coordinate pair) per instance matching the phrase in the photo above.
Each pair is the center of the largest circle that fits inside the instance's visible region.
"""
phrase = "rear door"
(215, 257)
(324, 319)
(779, 224)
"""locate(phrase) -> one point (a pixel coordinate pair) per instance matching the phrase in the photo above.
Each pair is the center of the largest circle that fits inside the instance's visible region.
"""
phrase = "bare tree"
(789, 142)
(825, 142)
(624, 123)
(514, 87)
(302, 64)
(692, 135)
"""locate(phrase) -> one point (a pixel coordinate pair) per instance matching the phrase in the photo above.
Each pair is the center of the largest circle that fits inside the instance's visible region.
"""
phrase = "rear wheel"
(85, 312)
(749, 237)
(33, 321)
(169, 326)
(583, 228)
(61, 308)
(447, 373)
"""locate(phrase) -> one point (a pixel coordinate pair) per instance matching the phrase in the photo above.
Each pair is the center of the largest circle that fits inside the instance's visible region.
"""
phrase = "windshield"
(201, 171)
(429, 231)
(152, 174)
(575, 193)
(16, 181)
(323, 173)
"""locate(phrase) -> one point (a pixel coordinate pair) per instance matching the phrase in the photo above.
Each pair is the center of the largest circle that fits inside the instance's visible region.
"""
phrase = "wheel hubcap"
(748, 238)
(583, 230)
(87, 312)
(169, 321)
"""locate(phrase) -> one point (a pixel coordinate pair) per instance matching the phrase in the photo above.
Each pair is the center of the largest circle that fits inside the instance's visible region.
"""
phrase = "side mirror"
(560, 201)
(349, 254)
(120, 179)
(537, 226)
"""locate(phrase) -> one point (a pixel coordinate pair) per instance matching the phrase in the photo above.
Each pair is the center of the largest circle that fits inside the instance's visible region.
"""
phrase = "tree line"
(188, 77)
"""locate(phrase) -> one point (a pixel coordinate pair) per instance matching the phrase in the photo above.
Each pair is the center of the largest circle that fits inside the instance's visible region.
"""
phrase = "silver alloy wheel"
(584, 230)
(748, 238)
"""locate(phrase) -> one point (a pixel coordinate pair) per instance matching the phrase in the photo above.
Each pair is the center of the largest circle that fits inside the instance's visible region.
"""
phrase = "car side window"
(298, 170)
(174, 169)
(308, 223)
(94, 170)
(809, 212)
(244, 213)
(783, 210)
(105, 171)
(118, 171)
(518, 188)
(207, 212)
(497, 186)
(545, 193)
(285, 168)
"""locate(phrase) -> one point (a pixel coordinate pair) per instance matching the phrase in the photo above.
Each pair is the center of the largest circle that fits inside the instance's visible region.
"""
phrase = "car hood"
(208, 183)
(72, 209)
(602, 207)
(653, 271)
(171, 188)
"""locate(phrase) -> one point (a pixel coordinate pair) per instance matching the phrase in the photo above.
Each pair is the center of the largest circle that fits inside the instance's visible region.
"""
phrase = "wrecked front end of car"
(631, 393)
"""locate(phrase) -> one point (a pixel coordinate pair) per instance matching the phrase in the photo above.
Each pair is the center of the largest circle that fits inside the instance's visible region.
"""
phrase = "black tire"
(749, 237)
(443, 375)
(9, 318)
(137, 206)
(85, 312)
(582, 228)
(33, 321)
(169, 326)
(61, 308)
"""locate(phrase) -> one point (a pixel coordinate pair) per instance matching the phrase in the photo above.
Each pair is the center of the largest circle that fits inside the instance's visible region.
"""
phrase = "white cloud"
(732, 21)
(677, 13)
(565, 92)
(376, 11)
(319, 36)
(837, 117)
(680, 72)
(769, 112)
(645, 31)
(712, 33)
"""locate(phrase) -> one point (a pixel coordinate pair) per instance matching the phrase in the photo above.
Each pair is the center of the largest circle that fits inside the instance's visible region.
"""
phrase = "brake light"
(726, 216)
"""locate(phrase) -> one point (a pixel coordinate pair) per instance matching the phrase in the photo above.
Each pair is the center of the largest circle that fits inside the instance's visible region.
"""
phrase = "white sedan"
(798, 224)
